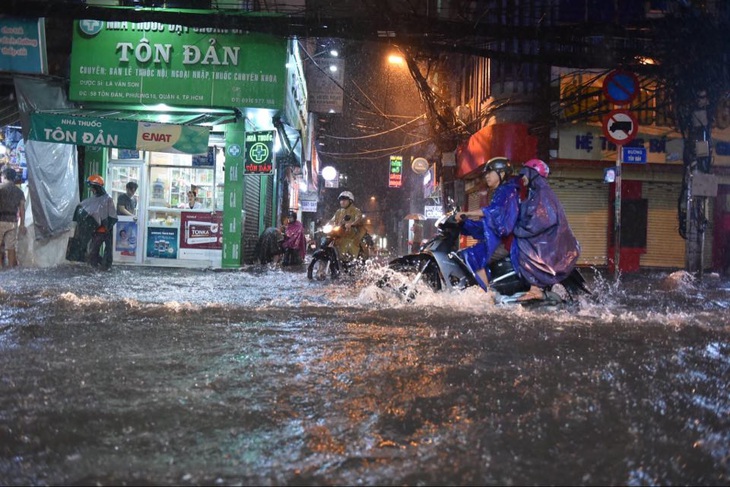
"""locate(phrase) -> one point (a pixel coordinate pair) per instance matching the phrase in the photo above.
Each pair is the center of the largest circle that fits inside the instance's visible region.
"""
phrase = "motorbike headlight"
(327, 228)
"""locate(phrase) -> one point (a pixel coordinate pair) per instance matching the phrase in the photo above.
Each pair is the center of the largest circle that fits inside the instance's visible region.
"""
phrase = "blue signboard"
(23, 46)
(634, 155)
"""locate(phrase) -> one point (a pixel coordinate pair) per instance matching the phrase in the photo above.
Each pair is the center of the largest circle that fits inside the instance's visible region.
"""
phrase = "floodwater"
(149, 376)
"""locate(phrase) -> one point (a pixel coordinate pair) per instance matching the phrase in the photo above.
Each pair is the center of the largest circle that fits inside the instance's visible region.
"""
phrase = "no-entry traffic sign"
(620, 126)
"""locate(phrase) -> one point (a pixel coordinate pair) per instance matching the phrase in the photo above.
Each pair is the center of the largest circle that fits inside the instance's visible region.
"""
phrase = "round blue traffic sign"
(620, 87)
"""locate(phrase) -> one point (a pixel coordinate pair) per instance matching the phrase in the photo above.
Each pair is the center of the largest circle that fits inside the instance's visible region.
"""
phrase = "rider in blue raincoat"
(491, 225)
(544, 250)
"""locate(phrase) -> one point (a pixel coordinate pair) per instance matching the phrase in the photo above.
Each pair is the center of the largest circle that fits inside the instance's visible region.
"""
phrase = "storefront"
(167, 230)
(184, 102)
(650, 190)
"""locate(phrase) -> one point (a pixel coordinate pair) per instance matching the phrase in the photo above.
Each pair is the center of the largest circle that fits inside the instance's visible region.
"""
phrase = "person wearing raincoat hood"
(95, 218)
(544, 250)
(294, 244)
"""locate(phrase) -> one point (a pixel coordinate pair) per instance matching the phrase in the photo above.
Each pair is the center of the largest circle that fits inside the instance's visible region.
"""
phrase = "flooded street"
(144, 376)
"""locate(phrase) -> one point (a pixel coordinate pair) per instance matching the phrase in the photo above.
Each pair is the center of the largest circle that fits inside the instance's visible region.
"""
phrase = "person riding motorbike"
(95, 217)
(544, 250)
(493, 224)
(349, 217)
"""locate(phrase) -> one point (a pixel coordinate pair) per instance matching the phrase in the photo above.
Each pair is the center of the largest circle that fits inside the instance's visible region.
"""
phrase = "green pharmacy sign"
(123, 134)
(259, 152)
(395, 178)
(153, 63)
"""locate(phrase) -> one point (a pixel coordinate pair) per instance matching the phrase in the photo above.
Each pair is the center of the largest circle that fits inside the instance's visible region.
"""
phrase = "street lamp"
(329, 173)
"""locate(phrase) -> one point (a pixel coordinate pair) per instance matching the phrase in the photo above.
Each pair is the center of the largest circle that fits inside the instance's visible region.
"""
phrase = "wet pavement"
(149, 376)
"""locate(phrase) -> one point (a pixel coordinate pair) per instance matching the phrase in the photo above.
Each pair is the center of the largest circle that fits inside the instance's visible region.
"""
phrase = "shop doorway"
(129, 232)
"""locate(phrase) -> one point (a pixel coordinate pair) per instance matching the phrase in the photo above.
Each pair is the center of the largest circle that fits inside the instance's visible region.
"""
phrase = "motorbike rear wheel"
(320, 267)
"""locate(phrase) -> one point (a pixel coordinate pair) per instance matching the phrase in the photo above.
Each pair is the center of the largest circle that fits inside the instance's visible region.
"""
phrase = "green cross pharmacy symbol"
(258, 153)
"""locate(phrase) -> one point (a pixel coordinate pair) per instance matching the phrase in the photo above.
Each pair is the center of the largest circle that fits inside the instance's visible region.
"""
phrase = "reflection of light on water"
(80, 301)
(679, 280)
(178, 307)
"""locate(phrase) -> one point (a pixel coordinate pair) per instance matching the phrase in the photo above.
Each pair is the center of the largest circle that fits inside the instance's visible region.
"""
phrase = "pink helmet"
(539, 166)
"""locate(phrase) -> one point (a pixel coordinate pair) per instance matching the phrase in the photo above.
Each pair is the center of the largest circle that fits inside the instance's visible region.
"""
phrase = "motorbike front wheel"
(320, 267)
(403, 276)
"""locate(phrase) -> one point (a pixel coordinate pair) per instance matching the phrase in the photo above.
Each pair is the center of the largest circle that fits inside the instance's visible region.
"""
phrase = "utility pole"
(698, 164)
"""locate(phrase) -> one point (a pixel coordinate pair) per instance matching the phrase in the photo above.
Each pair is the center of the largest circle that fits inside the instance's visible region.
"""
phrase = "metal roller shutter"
(269, 216)
(251, 193)
(665, 248)
(586, 206)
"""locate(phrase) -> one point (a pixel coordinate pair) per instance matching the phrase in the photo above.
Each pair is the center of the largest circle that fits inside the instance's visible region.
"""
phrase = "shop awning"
(511, 140)
(177, 132)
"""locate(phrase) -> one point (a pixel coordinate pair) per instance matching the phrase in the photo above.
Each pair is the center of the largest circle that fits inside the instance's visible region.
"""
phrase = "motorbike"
(327, 261)
(440, 266)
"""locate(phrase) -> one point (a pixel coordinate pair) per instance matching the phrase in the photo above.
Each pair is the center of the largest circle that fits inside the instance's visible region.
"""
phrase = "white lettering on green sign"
(144, 52)
(87, 138)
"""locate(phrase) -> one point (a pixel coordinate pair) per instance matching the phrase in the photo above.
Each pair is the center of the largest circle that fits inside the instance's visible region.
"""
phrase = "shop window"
(126, 154)
(173, 175)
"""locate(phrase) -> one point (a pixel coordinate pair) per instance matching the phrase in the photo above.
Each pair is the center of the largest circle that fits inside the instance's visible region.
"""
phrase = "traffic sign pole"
(617, 214)
(619, 127)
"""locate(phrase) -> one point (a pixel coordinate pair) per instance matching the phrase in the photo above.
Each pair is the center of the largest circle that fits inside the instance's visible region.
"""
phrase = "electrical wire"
(423, 115)
(367, 154)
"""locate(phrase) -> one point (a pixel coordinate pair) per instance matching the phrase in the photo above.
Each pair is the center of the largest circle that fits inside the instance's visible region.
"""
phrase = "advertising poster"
(201, 230)
(126, 241)
(14, 155)
(162, 243)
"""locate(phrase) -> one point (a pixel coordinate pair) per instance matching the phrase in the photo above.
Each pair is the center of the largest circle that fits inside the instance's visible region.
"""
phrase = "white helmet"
(348, 195)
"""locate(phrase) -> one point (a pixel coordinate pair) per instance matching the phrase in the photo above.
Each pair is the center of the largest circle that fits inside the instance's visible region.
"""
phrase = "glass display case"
(164, 218)
(173, 175)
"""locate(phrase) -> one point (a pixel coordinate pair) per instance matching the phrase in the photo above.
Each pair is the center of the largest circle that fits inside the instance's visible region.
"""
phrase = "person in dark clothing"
(95, 218)
(126, 204)
(268, 248)
(12, 215)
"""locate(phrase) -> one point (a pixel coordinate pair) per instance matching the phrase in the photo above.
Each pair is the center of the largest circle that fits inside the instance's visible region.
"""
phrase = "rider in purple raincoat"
(544, 250)
(492, 225)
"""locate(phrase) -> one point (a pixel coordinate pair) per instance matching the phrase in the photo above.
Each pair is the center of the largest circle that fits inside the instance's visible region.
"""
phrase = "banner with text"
(395, 178)
(23, 46)
(151, 63)
(122, 134)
